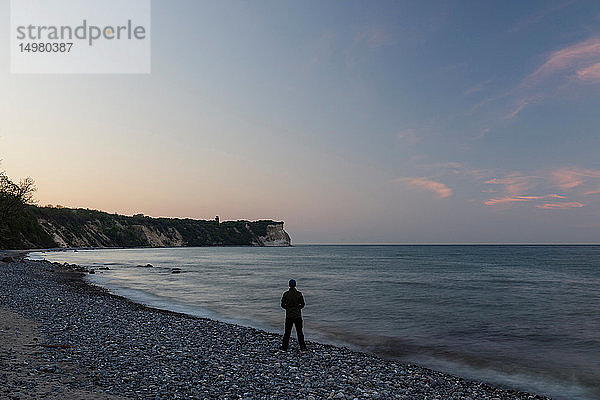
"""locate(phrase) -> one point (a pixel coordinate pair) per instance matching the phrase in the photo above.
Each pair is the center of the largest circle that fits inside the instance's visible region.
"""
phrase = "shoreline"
(117, 347)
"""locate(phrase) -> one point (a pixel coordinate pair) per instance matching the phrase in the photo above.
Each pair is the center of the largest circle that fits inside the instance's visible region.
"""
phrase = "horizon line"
(448, 244)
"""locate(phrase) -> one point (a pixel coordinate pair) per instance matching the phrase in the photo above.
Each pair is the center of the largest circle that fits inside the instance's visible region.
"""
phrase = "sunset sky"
(352, 121)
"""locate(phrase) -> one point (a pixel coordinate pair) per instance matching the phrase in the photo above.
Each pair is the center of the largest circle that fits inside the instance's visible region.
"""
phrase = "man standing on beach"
(293, 302)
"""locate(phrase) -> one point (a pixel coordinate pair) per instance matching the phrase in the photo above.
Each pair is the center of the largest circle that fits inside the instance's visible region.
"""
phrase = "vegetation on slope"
(19, 228)
(24, 225)
(92, 228)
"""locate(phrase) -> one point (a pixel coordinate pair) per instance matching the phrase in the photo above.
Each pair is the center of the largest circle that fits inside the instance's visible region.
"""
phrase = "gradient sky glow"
(352, 121)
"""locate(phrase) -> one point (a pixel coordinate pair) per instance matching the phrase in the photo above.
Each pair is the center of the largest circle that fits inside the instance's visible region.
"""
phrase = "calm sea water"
(526, 317)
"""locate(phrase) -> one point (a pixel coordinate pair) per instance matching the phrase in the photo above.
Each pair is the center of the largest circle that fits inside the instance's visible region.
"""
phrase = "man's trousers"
(289, 322)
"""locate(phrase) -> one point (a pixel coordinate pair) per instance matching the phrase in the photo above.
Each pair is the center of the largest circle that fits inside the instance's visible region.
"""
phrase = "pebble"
(126, 349)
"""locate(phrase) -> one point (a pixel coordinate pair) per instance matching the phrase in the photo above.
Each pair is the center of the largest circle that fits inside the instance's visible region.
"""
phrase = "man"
(293, 302)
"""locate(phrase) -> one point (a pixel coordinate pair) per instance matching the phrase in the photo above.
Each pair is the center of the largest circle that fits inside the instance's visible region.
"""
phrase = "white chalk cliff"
(276, 237)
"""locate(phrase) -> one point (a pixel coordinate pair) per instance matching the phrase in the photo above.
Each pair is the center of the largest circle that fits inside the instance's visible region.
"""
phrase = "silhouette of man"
(293, 302)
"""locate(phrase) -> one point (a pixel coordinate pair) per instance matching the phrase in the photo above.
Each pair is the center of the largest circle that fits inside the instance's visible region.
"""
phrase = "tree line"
(16, 221)
(23, 225)
(14, 197)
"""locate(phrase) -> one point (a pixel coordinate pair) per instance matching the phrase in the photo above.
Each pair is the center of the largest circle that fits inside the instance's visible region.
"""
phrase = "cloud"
(520, 199)
(497, 188)
(567, 179)
(373, 37)
(539, 16)
(590, 74)
(477, 88)
(370, 37)
(521, 104)
(571, 177)
(438, 188)
(407, 136)
(576, 63)
(560, 206)
(513, 183)
(576, 58)
(319, 52)
(515, 188)
(459, 169)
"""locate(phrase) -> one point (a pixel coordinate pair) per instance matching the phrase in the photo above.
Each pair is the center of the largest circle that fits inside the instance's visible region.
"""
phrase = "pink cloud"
(466, 171)
(579, 62)
(318, 52)
(375, 37)
(590, 74)
(524, 102)
(513, 183)
(480, 105)
(504, 189)
(571, 177)
(372, 37)
(438, 188)
(520, 199)
(458, 169)
(514, 187)
(516, 111)
(478, 88)
(407, 136)
(539, 16)
(576, 57)
(566, 179)
(560, 206)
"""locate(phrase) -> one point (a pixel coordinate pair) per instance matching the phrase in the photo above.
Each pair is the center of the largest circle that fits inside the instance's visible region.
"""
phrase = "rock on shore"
(89, 341)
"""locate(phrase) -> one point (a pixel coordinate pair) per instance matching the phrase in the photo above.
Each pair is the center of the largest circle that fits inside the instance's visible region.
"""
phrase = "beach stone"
(120, 349)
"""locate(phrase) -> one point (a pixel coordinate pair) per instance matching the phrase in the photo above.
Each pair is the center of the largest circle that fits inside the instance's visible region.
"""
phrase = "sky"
(352, 121)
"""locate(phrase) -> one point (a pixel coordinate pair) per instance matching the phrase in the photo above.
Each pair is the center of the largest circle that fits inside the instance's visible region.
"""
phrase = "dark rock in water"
(8, 259)
(92, 271)
(176, 271)
(104, 269)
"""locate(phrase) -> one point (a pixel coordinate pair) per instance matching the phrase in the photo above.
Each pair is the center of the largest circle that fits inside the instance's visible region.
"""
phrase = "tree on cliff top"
(14, 196)
(19, 229)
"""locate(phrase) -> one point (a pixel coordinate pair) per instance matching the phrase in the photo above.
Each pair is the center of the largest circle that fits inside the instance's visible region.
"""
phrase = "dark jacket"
(293, 302)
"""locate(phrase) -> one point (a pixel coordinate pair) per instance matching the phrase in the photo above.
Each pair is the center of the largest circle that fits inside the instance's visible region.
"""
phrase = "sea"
(518, 316)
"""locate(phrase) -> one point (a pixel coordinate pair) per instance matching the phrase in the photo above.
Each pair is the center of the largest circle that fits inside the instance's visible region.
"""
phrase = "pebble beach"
(64, 338)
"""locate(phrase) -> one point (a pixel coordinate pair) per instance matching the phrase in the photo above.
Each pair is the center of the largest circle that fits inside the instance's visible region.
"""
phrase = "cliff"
(65, 227)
